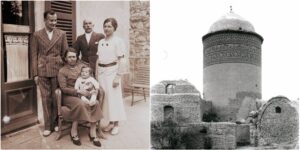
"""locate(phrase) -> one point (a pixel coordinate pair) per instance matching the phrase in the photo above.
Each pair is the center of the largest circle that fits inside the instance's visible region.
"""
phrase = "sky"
(177, 27)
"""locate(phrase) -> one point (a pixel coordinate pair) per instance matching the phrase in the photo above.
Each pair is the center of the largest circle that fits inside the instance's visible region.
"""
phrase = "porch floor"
(134, 133)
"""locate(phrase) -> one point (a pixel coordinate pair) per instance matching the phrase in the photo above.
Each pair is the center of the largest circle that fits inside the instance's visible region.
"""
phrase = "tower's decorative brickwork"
(231, 66)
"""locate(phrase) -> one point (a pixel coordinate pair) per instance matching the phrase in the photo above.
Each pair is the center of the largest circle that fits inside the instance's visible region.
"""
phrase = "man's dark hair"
(51, 12)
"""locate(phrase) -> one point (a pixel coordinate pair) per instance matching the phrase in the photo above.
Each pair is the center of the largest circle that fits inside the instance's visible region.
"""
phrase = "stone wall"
(139, 34)
(278, 121)
(184, 100)
(179, 86)
(186, 107)
(196, 136)
(222, 135)
(140, 29)
(243, 134)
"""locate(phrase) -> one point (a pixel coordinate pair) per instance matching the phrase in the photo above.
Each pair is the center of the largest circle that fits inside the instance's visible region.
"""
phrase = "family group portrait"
(75, 74)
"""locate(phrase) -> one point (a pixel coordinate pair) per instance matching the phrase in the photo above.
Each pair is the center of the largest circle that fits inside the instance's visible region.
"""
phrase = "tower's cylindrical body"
(232, 65)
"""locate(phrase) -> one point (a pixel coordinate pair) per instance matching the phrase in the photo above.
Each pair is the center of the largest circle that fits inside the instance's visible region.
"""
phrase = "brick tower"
(231, 65)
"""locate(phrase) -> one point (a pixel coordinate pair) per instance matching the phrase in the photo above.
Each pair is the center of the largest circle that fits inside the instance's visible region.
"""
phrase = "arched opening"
(170, 88)
(277, 109)
(168, 113)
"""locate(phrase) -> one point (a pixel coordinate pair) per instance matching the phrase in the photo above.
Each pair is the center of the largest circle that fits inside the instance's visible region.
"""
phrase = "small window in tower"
(277, 109)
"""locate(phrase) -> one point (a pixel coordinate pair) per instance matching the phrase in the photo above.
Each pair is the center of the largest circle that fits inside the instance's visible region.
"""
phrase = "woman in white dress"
(111, 51)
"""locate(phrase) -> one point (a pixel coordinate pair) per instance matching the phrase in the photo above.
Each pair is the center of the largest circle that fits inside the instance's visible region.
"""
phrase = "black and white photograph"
(225, 74)
(221, 74)
(75, 74)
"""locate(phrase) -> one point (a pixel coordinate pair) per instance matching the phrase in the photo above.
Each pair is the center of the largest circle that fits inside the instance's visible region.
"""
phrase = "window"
(17, 27)
(168, 113)
(170, 88)
(277, 109)
(16, 54)
(15, 12)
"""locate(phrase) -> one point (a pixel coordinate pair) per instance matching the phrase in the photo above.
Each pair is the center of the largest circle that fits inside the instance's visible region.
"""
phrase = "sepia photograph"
(75, 74)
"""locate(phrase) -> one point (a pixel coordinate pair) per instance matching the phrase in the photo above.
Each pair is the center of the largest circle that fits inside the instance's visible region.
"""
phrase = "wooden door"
(18, 90)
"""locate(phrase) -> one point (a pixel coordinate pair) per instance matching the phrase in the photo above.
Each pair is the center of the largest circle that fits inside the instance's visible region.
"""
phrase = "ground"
(134, 133)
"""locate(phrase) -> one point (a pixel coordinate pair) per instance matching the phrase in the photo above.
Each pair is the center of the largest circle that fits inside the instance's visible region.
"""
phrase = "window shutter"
(66, 17)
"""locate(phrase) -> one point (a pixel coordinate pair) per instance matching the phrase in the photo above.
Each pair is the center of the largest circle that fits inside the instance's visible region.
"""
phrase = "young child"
(86, 82)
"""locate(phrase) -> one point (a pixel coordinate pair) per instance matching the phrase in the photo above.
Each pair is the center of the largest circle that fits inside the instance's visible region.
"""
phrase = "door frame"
(27, 117)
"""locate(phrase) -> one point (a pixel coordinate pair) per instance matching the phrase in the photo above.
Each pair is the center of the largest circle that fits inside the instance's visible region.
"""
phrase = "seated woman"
(78, 110)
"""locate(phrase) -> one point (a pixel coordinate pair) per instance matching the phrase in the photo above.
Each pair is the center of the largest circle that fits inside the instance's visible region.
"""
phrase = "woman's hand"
(86, 101)
(116, 81)
(84, 93)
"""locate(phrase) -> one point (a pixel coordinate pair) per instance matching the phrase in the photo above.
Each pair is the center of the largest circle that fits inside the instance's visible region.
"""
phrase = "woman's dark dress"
(78, 110)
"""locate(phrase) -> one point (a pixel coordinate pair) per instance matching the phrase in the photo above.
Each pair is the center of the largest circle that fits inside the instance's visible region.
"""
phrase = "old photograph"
(226, 74)
(75, 74)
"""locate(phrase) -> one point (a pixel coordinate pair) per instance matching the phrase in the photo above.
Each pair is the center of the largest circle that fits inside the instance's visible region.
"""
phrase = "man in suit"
(87, 44)
(47, 48)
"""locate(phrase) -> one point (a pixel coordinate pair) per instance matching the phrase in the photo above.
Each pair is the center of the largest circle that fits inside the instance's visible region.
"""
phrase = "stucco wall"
(39, 9)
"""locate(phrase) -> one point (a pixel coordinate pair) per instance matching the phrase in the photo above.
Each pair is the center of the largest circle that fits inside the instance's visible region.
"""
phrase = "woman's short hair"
(70, 49)
(113, 21)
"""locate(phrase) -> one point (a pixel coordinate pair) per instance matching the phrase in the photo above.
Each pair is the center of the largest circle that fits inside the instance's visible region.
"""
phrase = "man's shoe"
(95, 140)
(56, 128)
(75, 140)
(46, 133)
(115, 130)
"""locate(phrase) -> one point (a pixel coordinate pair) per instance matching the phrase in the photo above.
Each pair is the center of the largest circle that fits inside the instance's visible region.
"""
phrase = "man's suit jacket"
(88, 50)
(47, 54)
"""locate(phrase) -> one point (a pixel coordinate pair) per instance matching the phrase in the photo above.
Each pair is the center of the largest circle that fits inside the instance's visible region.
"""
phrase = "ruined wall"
(278, 121)
(182, 98)
(223, 135)
(186, 107)
(243, 134)
(180, 86)
(219, 135)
